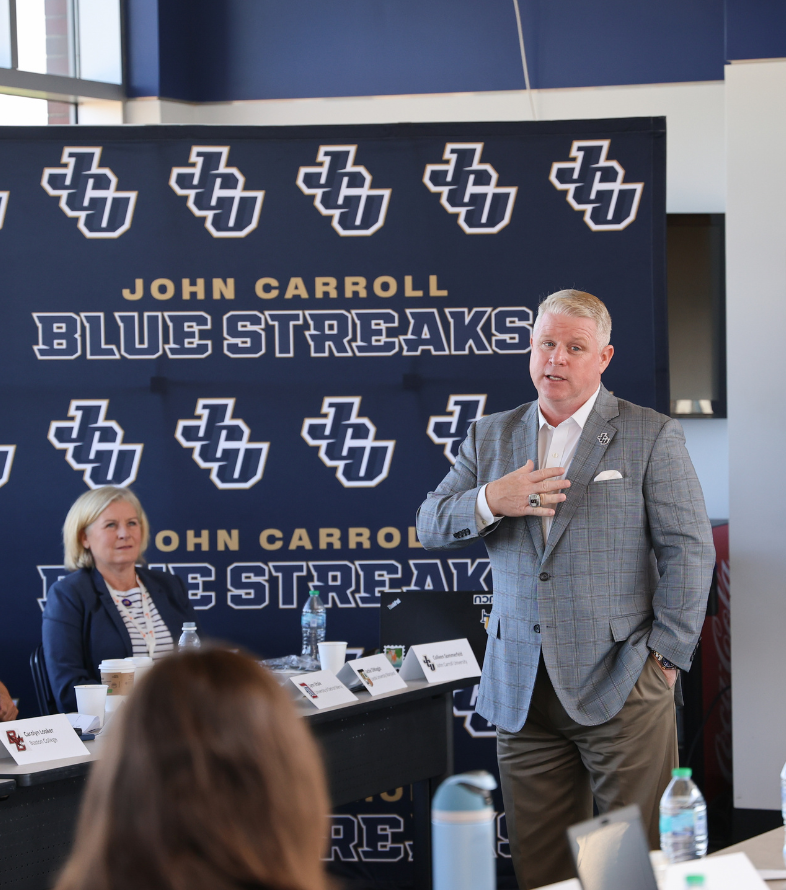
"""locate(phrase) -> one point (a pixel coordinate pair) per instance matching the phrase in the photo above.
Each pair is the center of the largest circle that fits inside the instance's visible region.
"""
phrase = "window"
(63, 52)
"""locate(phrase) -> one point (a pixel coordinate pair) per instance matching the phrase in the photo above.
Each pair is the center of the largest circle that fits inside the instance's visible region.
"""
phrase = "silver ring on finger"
(534, 500)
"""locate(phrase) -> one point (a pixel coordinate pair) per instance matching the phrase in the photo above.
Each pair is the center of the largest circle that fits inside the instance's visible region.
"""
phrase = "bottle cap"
(682, 772)
(189, 625)
(468, 794)
(694, 880)
(313, 593)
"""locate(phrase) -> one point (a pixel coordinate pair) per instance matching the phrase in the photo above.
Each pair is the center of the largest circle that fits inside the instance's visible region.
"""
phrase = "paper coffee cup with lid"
(118, 675)
(141, 663)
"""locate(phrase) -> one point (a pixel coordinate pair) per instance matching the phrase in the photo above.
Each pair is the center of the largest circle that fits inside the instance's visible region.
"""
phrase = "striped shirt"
(164, 642)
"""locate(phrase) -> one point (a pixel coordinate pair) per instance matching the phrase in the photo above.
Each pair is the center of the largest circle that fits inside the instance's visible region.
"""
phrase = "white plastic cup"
(332, 656)
(141, 663)
(91, 701)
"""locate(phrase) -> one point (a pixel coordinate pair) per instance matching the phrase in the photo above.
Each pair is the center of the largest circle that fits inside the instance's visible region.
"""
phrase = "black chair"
(43, 691)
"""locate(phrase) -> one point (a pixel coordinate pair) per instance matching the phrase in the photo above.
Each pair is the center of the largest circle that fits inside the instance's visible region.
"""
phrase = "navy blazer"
(82, 626)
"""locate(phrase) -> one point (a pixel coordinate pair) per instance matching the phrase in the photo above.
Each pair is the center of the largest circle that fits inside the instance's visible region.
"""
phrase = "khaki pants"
(553, 767)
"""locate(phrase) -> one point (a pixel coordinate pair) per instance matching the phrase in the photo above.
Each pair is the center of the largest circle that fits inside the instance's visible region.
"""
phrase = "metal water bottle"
(463, 833)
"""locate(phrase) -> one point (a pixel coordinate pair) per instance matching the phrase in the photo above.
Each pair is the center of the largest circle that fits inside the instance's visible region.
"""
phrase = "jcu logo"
(95, 445)
(347, 442)
(215, 192)
(595, 185)
(220, 443)
(464, 706)
(470, 189)
(450, 430)
(343, 191)
(89, 193)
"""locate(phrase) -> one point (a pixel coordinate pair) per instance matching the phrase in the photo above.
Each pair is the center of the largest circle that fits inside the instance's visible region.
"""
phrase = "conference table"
(765, 852)
(370, 746)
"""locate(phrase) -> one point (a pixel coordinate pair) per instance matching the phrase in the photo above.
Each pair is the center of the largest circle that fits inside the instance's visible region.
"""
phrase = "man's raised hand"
(509, 496)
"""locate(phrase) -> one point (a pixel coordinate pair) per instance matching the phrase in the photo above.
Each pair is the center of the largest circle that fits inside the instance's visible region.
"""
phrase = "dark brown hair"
(209, 781)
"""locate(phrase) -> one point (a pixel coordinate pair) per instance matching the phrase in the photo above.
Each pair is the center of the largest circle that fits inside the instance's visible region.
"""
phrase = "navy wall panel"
(226, 50)
(141, 47)
(575, 44)
(755, 29)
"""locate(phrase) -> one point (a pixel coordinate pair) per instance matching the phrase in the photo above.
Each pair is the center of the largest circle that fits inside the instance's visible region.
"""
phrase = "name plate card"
(375, 673)
(323, 689)
(439, 662)
(41, 739)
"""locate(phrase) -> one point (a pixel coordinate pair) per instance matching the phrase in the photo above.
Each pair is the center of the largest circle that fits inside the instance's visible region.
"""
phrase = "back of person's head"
(579, 304)
(209, 781)
(84, 512)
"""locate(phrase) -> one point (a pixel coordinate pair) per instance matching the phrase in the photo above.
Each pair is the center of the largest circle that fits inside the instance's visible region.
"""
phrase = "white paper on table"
(733, 871)
(41, 739)
(374, 673)
(772, 874)
(323, 689)
(85, 722)
(439, 662)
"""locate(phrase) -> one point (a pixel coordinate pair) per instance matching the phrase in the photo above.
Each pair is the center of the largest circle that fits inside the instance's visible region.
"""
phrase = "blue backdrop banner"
(278, 338)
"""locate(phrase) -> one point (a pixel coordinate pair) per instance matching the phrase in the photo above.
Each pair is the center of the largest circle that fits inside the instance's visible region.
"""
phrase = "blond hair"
(84, 512)
(579, 304)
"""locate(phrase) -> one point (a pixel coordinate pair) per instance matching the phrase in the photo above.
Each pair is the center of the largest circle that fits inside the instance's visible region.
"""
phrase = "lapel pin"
(604, 439)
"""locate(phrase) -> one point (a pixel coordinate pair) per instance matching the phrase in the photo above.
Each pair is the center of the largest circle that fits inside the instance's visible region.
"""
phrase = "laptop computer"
(410, 617)
(611, 851)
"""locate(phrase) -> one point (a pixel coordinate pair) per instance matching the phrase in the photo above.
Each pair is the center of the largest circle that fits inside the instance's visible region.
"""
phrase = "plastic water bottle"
(783, 807)
(463, 831)
(313, 624)
(189, 639)
(683, 819)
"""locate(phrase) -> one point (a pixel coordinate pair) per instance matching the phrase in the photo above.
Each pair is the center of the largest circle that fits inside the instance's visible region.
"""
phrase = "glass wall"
(75, 39)
(70, 38)
(100, 56)
(31, 35)
(19, 111)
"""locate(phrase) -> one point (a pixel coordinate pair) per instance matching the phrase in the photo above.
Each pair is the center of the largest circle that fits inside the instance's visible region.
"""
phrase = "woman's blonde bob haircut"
(579, 304)
(84, 512)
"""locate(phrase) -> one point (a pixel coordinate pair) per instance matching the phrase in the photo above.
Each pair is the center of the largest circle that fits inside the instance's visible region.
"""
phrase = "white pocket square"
(607, 474)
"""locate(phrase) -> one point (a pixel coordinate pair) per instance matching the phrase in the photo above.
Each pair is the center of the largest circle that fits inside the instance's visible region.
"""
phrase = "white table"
(765, 851)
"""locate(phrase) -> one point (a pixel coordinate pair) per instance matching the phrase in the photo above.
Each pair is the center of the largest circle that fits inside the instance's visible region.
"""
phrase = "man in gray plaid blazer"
(602, 559)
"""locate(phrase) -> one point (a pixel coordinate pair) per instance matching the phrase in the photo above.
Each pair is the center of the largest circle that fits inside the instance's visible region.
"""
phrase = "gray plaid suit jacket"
(626, 568)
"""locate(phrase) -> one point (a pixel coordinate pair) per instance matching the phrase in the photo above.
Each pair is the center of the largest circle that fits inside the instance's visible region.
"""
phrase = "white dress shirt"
(556, 448)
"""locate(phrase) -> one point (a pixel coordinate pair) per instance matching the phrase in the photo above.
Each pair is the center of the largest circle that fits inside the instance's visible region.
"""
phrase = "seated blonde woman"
(110, 606)
(208, 781)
